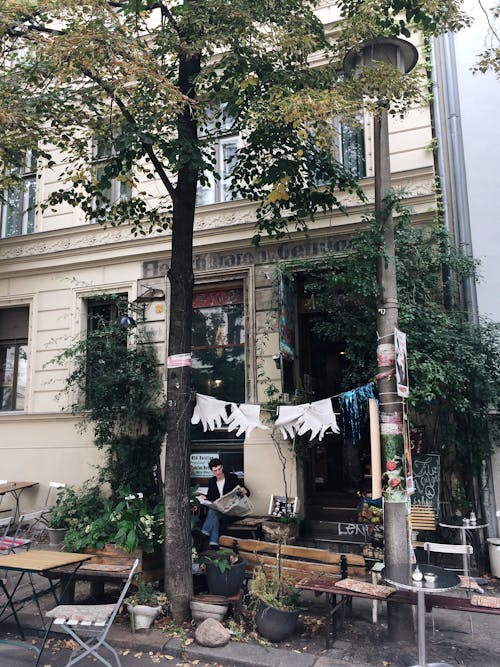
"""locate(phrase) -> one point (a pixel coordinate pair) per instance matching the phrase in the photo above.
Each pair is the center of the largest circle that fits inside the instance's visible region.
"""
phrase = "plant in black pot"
(224, 571)
(276, 603)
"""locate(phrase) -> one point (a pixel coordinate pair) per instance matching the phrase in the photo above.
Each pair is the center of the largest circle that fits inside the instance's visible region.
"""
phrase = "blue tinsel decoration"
(350, 407)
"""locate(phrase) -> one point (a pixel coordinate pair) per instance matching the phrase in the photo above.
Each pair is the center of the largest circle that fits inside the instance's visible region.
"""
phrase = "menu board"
(426, 477)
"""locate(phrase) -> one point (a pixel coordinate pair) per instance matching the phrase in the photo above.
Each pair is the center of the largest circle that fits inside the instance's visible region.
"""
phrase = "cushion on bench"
(359, 586)
(485, 601)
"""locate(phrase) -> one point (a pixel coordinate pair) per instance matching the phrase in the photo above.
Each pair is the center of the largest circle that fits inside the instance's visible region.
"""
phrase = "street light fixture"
(403, 56)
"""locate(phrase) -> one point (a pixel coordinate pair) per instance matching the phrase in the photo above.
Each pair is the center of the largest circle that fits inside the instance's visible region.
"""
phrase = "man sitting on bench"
(220, 484)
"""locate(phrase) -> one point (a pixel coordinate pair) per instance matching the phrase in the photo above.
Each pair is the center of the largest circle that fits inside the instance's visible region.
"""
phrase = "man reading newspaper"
(226, 499)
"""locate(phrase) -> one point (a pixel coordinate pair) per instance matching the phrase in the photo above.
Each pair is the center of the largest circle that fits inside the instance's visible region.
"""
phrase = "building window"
(18, 209)
(218, 346)
(102, 315)
(222, 147)
(352, 149)
(218, 370)
(13, 357)
(113, 189)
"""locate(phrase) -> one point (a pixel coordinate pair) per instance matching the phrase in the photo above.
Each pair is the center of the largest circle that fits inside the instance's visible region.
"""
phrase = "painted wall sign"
(263, 255)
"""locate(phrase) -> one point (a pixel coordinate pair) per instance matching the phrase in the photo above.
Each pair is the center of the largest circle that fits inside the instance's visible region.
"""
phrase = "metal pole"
(396, 543)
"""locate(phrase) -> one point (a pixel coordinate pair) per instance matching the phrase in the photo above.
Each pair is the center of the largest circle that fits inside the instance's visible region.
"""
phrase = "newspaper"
(232, 503)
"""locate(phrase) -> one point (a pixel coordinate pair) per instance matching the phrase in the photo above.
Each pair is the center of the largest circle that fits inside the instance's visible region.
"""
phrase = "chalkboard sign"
(426, 475)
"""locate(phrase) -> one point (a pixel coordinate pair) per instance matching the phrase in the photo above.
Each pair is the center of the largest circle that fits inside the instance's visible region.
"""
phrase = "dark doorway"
(333, 467)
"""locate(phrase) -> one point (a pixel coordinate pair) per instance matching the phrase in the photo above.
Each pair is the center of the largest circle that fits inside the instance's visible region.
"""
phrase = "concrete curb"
(234, 654)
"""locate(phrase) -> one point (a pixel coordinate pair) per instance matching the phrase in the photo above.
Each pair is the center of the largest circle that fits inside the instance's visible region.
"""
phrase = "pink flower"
(391, 465)
(394, 482)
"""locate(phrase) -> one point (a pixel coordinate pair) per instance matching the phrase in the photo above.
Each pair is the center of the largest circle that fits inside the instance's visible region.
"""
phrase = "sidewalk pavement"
(359, 644)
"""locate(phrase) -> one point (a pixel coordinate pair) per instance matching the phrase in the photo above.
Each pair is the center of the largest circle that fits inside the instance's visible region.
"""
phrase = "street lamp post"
(403, 56)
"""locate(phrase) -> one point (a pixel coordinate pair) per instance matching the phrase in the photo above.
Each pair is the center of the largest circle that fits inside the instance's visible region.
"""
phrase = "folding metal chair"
(89, 625)
(5, 539)
(467, 582)
(30, 528)
(7, 509)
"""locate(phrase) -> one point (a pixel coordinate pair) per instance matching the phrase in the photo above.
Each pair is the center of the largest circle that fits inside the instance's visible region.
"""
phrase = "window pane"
(7, 366)
(22, 372)
(218, 348)
(30, 200)
(228, 159)
(353, 151)
(12, 212)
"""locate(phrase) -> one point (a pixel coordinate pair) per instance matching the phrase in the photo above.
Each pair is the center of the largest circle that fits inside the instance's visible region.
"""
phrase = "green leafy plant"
(74, 507)
(222, 559)
(114, 379)
(273, 588)
(452, 397)
(131, 523)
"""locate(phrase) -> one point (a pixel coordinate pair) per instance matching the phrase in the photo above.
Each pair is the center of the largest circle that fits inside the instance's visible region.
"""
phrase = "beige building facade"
(48, 277)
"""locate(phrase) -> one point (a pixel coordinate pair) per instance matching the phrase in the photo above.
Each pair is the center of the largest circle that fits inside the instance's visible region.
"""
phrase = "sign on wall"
(199, 463)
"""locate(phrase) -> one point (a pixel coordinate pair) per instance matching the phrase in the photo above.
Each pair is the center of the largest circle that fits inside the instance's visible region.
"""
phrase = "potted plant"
(70, 510)
(276, 608)
(224, 572)
(144, 605)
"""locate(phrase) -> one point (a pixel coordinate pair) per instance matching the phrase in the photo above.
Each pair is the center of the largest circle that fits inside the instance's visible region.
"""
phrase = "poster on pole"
(402, 383)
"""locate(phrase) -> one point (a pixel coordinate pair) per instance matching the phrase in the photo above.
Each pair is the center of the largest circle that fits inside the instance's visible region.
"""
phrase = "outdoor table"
(16, 489)
(456, 523)
(34, 562)
(400, 576)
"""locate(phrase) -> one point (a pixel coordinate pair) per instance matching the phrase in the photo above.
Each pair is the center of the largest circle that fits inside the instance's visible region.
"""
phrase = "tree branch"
(147, 148)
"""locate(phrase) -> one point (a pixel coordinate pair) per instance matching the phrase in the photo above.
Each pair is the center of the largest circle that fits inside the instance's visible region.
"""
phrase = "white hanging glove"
(318, 417)
(288, 420)
(245, 418)
(209, 411)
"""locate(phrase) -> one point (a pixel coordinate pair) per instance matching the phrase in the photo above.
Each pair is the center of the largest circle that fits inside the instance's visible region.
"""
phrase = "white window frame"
(119, 190)
(27, 199)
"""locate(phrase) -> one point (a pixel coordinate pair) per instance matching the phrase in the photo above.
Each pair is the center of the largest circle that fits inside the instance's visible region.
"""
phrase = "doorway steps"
(332, 524)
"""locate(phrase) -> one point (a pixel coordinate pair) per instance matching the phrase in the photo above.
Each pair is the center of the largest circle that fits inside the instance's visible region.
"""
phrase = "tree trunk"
(178, 577)
(396, 543)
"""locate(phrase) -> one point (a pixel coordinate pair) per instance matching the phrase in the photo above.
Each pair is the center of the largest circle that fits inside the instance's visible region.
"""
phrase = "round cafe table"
(456, 523)
(400, 576)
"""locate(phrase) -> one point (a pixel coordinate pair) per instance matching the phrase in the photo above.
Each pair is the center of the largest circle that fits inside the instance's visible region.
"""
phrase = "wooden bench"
(109, 565)
(297, 562)
(331, 588)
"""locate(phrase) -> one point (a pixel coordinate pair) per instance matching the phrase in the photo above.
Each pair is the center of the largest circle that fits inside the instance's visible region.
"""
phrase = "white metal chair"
(467, 582)
(53, 486)
(89, 625)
